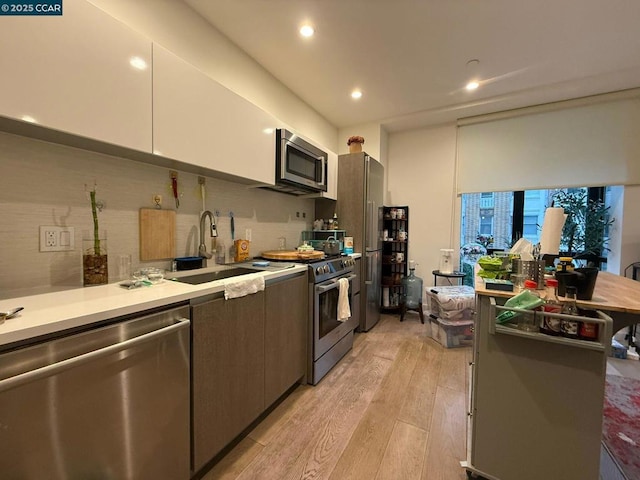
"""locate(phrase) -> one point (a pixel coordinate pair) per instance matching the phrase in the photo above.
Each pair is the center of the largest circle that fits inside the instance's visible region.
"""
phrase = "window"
(530, 227)
(508, 216)
(486, 200)
(486, 225)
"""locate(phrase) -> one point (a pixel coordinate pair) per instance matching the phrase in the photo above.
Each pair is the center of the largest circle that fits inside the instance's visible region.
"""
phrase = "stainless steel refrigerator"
(359, 208)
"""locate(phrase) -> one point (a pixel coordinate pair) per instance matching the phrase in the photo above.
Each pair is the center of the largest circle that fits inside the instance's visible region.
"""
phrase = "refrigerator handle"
(369, 278)
(371, 241)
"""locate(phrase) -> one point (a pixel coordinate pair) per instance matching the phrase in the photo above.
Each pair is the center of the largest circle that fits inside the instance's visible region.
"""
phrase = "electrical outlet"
(56, 239)
(247, 234)
(50, 238)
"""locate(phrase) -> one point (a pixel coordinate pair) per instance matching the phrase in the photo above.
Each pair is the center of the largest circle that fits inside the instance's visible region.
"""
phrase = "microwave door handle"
(324, 163)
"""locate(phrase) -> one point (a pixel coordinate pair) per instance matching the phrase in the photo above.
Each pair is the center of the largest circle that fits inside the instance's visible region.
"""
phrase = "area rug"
(621, 423)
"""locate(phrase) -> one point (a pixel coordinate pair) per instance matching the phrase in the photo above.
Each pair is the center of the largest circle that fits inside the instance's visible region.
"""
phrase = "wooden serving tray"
(291, 255)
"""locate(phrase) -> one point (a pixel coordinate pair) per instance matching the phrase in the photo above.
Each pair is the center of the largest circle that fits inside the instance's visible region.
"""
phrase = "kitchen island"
(537, 400)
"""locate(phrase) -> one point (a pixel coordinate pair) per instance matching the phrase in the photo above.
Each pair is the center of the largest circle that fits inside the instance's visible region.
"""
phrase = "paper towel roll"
(554, 219)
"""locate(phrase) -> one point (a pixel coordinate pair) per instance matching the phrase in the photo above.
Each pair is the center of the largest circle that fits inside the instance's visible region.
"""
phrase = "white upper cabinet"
(198, 121)
(73, 73)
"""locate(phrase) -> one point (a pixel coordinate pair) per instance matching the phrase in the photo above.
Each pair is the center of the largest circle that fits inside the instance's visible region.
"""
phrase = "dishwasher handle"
(54, 368)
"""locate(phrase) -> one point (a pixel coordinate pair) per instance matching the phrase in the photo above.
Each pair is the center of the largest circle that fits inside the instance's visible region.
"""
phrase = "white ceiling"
(409, 56)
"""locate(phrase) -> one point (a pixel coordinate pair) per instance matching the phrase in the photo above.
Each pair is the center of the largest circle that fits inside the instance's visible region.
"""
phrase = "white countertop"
(52, 312)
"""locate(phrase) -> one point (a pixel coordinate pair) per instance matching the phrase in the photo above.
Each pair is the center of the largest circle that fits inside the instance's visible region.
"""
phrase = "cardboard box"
(242, 250)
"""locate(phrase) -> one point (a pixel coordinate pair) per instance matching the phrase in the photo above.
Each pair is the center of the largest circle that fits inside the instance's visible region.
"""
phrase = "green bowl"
(491, 264)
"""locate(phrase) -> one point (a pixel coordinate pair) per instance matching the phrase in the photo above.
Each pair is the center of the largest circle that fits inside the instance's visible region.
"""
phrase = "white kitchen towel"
(240, 287)
(344, 311)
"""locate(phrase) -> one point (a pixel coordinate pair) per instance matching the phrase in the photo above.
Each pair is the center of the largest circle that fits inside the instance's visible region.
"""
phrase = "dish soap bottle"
(221, 253)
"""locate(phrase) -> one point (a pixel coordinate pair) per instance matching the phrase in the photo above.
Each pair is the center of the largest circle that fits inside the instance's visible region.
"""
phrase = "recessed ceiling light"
(268, 131)
(472, 72)
(307, 31)
(356, 94)
(137, 62)
(29, 118)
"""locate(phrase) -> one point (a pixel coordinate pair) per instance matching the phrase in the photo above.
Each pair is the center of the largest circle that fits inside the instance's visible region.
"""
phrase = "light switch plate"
(57, 239)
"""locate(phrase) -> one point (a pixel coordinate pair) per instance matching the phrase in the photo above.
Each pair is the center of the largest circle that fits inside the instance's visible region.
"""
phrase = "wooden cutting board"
(291, 255)
(157, 234)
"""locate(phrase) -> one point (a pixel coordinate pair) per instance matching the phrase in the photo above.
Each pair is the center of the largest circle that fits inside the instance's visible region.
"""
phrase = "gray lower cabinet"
(245, 353)
(286, 325)
(227, 371)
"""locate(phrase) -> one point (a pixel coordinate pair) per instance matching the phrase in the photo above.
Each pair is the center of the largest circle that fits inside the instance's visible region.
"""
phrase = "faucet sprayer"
(202, 249)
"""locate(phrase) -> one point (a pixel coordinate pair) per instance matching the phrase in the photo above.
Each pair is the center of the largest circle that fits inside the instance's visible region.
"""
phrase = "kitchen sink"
(212, 276)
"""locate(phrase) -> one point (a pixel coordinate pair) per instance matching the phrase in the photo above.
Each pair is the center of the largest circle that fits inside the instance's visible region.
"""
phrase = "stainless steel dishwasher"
(107, 403)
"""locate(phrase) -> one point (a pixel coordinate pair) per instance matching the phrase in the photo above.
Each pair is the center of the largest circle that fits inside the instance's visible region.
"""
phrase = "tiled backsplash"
(44, 184)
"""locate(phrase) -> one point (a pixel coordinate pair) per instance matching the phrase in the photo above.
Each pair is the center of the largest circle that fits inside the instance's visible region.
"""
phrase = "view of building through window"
(497, 219)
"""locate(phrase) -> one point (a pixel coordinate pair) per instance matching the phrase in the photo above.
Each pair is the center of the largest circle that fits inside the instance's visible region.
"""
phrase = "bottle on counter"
(588, 330)
(221, 252)
(528, 322)
(334, 222)
(569, 328)
(550, 325)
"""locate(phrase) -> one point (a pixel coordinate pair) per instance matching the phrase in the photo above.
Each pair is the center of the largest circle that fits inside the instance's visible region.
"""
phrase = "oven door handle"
(332, 285)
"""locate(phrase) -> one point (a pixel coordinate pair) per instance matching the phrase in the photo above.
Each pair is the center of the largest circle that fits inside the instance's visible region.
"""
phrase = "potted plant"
(355, 143)
(94, 255)
(584, 235)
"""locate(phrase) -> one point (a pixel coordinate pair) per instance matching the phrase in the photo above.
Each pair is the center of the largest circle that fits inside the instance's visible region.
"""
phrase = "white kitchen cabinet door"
(73, 73)
(198, 121)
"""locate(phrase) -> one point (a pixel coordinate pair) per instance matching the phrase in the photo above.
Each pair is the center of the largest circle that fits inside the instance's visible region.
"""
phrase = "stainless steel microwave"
(300, 166)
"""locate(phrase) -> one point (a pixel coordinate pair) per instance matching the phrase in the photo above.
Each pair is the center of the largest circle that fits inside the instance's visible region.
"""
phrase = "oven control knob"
(319, 270)
(326, 269)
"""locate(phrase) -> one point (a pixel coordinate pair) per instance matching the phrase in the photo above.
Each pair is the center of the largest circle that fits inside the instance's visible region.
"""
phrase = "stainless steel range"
(329, 338)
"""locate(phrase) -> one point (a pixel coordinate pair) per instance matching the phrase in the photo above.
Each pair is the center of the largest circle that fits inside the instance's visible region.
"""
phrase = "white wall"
(44, 185)
(624, 234)
(421, 175)
(175, 26)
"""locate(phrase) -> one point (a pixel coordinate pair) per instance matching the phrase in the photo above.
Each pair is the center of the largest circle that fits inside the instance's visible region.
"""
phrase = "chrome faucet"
(202, 249)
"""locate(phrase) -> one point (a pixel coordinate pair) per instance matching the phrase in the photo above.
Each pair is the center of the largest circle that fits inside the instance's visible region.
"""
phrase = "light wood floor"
(393, 408)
